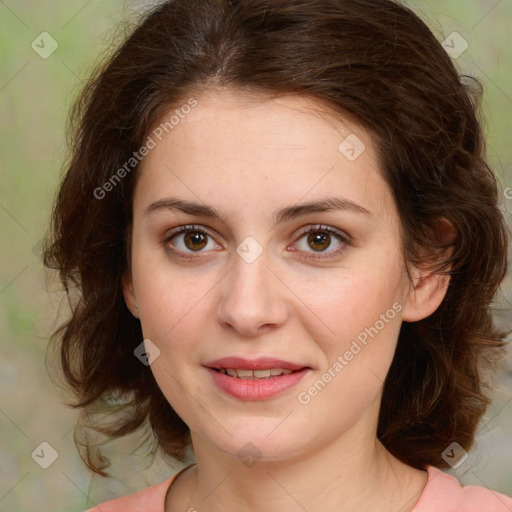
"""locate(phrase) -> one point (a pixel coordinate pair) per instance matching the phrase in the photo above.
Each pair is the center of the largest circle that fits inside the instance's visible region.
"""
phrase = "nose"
(252, 298)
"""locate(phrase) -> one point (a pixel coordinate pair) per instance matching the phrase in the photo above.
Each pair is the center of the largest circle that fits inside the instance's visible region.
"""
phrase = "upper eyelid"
(325, 227)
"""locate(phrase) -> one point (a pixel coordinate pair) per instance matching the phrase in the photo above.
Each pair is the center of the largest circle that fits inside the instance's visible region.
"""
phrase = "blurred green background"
(35, 95)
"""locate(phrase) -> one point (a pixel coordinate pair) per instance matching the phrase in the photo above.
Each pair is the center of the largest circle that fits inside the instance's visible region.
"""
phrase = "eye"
(193, 239)
(190, 238)
(320, 238)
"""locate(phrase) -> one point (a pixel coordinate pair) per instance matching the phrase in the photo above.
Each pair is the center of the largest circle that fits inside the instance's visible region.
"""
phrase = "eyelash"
(311, 229)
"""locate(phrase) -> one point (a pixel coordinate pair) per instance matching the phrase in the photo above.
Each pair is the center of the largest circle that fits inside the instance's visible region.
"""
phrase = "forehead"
(227, 118)
(254, 150)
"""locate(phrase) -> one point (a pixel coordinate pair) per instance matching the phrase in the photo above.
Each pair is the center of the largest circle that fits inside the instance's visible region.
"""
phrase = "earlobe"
(129, 294)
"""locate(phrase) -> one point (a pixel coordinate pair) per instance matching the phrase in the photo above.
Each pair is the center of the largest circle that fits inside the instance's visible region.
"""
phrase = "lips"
(248, 379)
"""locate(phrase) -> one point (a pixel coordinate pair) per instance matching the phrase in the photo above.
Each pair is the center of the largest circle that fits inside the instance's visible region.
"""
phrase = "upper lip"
(261, 363)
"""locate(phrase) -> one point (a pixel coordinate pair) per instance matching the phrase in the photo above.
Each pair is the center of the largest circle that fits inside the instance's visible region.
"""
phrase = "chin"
(255, 444)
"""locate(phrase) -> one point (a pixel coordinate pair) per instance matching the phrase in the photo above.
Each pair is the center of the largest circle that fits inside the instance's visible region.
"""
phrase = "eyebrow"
(282, 215)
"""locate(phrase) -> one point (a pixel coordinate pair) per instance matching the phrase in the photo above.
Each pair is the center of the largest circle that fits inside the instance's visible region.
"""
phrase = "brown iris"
(319, 237)
(198, 240)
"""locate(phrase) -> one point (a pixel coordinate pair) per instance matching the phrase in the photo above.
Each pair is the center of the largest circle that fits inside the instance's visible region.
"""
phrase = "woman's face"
(254, 286)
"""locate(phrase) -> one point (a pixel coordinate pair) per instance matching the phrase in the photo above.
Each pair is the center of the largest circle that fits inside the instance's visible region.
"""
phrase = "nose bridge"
(251, 272)
(251, 298)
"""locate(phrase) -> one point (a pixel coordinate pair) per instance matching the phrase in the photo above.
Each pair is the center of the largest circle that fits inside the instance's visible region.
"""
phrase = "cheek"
(360, 322)
(346, 304)
(172, 311)
(166, 298)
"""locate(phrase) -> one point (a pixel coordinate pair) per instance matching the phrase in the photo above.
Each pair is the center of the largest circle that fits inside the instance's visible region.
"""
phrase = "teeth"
(256, 374)
(262, 374)
(244, 373)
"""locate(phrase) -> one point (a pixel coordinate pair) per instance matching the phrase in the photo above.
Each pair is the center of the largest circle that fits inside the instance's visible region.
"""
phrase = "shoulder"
(151, 499)
(444, 493)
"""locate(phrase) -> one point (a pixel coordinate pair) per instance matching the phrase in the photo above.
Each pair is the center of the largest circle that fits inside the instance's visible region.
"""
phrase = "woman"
(286, 241)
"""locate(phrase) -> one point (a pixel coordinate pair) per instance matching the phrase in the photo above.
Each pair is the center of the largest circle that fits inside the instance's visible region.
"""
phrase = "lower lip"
(256, 389)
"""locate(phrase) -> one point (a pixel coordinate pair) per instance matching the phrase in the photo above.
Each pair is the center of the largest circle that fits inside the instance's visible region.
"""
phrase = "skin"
(248, 157)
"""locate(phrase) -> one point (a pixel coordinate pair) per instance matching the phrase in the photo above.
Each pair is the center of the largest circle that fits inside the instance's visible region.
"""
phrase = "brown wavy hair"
(372, 61)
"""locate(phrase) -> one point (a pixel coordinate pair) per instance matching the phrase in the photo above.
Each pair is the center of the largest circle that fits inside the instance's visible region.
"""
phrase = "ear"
(129, 293)
(425, 296)
(428, 287)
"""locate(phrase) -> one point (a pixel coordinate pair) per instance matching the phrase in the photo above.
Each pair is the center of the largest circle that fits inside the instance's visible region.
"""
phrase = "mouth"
(256, 379)
(260, 368)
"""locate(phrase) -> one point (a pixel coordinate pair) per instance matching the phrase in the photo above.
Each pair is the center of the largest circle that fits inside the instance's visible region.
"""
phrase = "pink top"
(443, 493)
